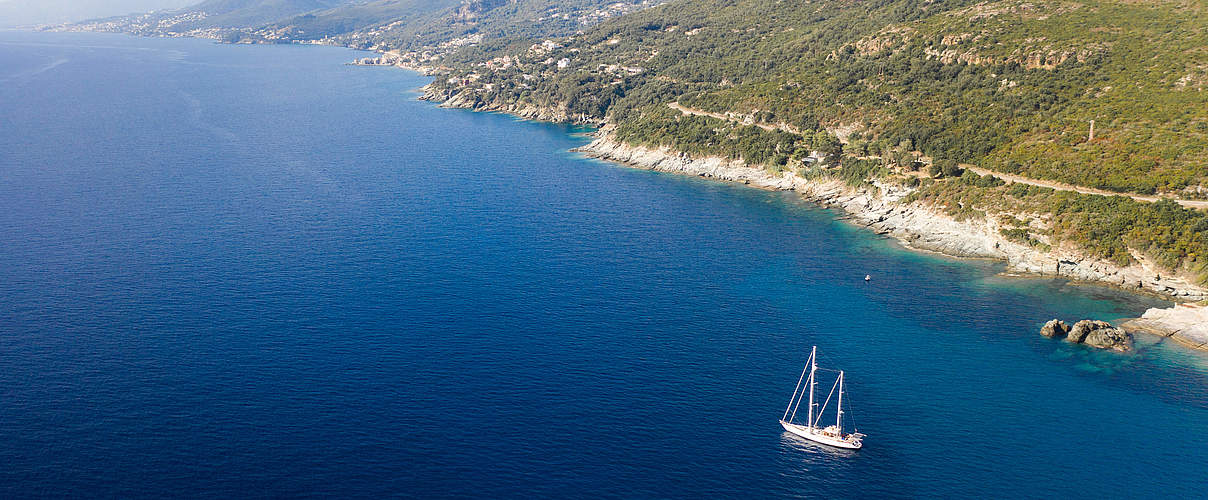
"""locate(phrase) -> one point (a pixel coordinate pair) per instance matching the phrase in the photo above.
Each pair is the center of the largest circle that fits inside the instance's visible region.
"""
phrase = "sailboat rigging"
(831, 435)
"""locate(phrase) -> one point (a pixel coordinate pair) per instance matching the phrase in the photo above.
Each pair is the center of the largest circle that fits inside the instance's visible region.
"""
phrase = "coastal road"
(1060, 186)
(696, 112)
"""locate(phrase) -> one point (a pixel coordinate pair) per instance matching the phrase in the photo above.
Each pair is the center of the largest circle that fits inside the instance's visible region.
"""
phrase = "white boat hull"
(820, 436)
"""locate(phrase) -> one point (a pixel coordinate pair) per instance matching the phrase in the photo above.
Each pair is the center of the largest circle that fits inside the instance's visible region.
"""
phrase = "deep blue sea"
(254, 271)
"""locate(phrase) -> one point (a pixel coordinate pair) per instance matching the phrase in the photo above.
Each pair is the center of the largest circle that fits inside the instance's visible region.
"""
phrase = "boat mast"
(796, 391)
(813, 368)
(839, 414)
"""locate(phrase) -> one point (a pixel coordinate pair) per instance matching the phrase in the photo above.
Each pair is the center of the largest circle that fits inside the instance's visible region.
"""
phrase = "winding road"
(696, 112)
(1060, 186)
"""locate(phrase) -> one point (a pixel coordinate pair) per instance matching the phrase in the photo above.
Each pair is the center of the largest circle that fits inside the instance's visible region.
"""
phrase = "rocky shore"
(469, 100)
(1185, 323)
(882, 208)
(917, 226)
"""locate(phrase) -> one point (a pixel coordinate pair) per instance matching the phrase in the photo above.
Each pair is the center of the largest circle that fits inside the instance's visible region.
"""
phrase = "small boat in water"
(831, 435)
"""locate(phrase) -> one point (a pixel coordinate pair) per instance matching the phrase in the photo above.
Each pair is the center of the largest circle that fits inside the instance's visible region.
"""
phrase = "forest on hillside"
(1008, 85)
(901, 90)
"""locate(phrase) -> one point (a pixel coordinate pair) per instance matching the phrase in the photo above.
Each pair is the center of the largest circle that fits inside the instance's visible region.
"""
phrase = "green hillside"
(1007, 85)
(905, 91)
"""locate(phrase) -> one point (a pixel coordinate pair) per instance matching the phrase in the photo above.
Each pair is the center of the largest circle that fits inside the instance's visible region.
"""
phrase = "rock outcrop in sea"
(1094, 333)
(1055, 328)
(1100, 334)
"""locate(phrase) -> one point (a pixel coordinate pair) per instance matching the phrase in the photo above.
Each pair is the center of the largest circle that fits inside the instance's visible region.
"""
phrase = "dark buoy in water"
(867, 277)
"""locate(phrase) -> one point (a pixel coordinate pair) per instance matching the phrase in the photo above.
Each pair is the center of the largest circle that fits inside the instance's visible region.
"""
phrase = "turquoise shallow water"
(254, 271)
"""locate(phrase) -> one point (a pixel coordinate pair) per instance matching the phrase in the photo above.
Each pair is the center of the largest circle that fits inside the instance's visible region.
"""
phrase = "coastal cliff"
(883, 208)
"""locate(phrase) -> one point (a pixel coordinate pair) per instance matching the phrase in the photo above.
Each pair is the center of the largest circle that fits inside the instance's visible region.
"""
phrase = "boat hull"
(818, 437)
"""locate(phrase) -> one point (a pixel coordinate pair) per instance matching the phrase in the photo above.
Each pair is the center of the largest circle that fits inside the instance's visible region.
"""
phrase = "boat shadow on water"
(796, 444)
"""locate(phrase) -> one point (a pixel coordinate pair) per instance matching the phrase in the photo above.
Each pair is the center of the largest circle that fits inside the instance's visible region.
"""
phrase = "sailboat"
(831, 435)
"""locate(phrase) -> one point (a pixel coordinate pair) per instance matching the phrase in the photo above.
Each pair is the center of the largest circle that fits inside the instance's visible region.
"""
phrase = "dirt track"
(1203, 205)
(696, 112)
(1079, 189)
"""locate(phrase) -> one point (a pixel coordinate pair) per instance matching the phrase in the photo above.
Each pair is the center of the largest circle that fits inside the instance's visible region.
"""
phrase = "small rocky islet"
(1185, 323)
(1094, 333)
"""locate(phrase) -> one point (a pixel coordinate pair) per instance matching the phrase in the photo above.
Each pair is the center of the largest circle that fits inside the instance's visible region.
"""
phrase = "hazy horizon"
(27, 12)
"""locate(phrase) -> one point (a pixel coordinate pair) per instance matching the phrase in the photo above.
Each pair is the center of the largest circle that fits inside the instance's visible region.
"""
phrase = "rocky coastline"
(881, 209)
(1186, 324)
(467, 100)
(920, 227)
(884, 210)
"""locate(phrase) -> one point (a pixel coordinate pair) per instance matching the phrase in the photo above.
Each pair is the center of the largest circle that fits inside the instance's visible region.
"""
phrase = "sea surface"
(233, 271)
